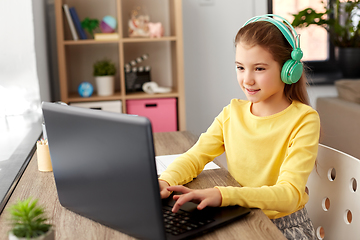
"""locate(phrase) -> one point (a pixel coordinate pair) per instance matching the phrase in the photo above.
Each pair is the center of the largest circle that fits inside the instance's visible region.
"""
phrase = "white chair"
(334, 204)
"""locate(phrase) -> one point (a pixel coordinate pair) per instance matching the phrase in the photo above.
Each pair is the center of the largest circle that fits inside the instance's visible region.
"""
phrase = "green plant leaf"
(104, 68)
(28, 219)
(90, 25)
(342, 34)
(308, 17)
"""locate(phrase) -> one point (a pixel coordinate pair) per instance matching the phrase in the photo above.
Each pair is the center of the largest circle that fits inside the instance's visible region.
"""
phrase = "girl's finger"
(176, 197)
(184, 198)
(179, 188)
(202, 204)
(164, 193)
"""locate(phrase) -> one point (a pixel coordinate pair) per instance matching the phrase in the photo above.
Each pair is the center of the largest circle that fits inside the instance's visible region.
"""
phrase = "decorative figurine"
(108, 24)
(156, 30)
(138, 26)
(138, 22)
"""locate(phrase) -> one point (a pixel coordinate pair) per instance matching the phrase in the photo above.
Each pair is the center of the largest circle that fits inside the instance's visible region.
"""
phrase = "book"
(106, 36)
(77, 23)
(71, 23)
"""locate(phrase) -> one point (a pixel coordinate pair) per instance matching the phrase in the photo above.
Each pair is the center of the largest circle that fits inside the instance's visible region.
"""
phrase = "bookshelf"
(76, 57)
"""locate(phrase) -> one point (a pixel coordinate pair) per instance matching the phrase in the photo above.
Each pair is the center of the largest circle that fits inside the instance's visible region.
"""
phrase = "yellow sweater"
(270, 157)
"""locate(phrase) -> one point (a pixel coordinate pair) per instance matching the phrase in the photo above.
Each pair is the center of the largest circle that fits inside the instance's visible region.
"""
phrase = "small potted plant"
(90, 25)
(28, 221)
(104, 73)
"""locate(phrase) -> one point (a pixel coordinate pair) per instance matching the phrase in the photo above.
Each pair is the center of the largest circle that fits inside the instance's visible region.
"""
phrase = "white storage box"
(109, 106)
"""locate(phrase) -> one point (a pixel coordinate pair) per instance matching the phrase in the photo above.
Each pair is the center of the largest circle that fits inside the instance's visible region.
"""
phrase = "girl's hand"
(164, 193)
(204, 197)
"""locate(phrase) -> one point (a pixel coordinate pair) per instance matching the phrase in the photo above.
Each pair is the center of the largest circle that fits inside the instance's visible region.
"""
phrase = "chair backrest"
(334, 204)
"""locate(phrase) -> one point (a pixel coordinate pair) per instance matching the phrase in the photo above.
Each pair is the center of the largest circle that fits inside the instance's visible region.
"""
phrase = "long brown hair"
(268, 36)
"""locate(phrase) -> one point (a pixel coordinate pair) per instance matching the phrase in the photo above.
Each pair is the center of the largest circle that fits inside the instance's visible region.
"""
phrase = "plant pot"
(348, 60)
(50, 235)
(105, 85)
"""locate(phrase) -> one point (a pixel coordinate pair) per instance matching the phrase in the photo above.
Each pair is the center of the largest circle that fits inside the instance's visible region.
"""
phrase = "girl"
(271, 140)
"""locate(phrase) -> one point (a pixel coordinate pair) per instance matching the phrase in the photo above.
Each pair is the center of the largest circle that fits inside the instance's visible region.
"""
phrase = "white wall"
(23, 66)
(40, 40)
(209, 56)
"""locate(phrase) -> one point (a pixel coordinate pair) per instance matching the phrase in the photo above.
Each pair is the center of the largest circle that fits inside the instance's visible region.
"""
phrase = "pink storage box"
(161, 112)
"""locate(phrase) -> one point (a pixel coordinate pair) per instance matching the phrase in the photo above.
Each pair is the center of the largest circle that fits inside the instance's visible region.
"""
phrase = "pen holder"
(43, 157)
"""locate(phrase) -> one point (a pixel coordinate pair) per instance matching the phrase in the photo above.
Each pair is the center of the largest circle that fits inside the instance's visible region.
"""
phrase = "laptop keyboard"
(182, 221)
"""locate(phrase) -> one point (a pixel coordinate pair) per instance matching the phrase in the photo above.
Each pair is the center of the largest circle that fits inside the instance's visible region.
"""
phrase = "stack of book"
(106, 36)
(74, 22)
(78, 32)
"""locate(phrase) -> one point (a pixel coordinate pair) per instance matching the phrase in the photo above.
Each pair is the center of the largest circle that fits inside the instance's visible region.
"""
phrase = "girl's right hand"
(164, 193)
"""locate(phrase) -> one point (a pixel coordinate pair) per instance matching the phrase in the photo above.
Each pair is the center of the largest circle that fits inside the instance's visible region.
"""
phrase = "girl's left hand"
(204, 197)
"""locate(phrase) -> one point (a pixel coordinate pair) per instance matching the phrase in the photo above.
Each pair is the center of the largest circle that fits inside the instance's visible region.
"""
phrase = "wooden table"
(69, 225)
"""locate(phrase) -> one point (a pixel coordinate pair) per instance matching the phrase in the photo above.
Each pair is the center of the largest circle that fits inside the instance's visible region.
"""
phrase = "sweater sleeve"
(190, 164)
(288, 194)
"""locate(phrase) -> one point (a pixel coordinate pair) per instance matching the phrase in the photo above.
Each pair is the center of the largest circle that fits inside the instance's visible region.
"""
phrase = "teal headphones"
(292, 68)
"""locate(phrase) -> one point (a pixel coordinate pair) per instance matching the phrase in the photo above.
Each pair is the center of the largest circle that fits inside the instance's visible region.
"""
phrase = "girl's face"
(258, 75)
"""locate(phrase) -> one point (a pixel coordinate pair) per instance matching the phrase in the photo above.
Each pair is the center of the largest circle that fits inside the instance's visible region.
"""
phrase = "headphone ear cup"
(296, 71)
(291, 71)
(285, 71)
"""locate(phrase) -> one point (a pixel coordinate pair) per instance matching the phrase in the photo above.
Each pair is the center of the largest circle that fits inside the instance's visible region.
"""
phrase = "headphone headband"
(292, 69)
(291, 37)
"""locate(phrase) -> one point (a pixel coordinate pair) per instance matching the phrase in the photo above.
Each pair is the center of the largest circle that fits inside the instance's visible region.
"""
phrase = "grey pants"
(296, 226)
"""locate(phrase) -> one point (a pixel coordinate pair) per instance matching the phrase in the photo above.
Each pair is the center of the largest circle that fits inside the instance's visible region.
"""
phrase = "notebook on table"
(104, 169)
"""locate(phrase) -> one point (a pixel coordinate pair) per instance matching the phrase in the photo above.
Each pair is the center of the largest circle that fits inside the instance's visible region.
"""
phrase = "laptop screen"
(104, 168)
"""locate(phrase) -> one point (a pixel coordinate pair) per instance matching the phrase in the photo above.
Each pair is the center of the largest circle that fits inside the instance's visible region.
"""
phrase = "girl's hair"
(268, 36)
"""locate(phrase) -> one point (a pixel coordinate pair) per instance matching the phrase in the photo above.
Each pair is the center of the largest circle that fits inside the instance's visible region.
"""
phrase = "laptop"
(104, 168)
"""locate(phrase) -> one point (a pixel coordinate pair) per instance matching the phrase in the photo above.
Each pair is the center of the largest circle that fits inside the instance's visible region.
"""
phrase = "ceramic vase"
(349, 61)
(105, 85)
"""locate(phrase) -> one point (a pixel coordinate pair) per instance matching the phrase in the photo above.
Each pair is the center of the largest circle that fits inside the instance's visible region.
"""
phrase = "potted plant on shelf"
(90, 25)
(28, 221)
(343, 29)
(104, 73)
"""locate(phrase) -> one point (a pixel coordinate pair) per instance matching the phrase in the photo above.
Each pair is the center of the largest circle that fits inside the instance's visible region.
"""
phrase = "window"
(314, 40)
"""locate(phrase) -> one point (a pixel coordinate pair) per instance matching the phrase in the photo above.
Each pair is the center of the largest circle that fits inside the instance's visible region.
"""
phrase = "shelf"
(88, 41)
(125, 40)
(142, 95)
(76, 58)
(74, 97)
(133, 40)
